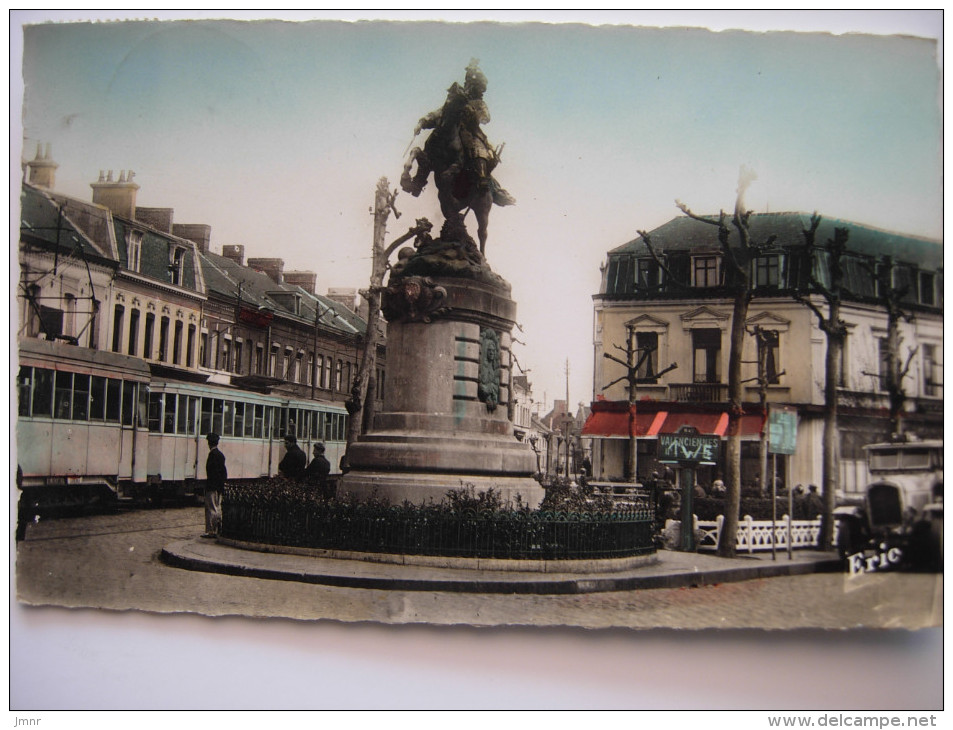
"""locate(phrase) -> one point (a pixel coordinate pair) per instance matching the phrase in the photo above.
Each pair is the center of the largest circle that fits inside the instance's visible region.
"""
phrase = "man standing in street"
(215, 476)
(293, 463)
(316, 475)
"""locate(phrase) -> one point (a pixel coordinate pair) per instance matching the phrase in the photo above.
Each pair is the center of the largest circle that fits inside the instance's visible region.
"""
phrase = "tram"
(81, 422)
(95, 426)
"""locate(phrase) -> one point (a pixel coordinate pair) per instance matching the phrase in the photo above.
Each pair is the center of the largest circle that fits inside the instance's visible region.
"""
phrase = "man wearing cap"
(215, 476)
(293, 463)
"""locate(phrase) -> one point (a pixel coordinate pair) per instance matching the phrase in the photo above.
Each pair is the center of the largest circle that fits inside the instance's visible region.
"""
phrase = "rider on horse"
(458, 153)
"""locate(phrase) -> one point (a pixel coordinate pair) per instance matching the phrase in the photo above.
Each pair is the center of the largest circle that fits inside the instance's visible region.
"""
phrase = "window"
(176, 265)
(190, 346)
(705, 271)
(226, 354)
(883, 352)
(228, 418)
(338, 375)
(113, 399)
(181, 423)
(62, 395)
(163, 339)
(177, 343)
(117, 328)
(932, 371)
(706, 346)
(927, 281)
(286, 365)
(155, 411)
(273, 362)
(133, 250)
(767, 271)
(768, 353)
(203, 349)
(239, 419)
(310, 368)
(97, 398)
(646, 342)
(259, 358)
(24, 387)
(133, 331)
(80, 397)
(43, 392)
(169, 422)
(148, 335)
(238, 356)
(648, 274)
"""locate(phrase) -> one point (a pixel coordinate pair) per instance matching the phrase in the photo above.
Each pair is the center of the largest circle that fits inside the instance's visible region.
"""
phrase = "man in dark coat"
(316, 475)
(215, 476)
(293, 463)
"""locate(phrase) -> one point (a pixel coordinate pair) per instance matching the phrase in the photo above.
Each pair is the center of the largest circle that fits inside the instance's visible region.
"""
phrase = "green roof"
(683, 233)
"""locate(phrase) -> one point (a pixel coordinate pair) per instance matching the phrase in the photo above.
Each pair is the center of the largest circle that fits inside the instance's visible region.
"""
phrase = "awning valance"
(612, 420)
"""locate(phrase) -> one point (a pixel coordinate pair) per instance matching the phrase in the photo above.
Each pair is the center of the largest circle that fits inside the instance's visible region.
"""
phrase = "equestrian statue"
(461, 159)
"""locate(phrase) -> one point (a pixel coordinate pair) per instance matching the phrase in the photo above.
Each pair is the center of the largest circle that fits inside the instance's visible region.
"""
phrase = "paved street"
(111, 561)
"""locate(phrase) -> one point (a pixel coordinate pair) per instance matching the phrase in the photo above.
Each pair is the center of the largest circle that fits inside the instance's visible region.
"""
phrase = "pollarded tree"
(737, 253)
(830, 255)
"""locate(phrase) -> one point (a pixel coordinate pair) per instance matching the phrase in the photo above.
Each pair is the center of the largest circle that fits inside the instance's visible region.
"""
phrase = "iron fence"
(309, 522)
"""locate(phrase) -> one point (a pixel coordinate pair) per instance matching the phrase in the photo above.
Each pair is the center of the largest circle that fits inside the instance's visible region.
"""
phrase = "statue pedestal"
(443, 425)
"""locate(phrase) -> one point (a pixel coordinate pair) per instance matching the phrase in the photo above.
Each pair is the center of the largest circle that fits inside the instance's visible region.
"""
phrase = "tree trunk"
(358, 399)
(829, 464)
(729, 530)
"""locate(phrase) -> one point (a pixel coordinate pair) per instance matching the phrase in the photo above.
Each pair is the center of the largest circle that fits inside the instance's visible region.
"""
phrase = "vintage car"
(902, 512)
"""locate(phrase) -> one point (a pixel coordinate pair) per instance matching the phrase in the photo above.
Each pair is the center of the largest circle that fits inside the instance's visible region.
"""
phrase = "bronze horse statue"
(461, 159)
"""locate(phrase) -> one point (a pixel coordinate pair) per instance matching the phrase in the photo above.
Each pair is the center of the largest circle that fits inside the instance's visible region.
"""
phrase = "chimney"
(198, 233)
(305, 279)
(158, 218)
(42, 168)
(234, 252)
(345, 296)
(273, 268)
(119, 197)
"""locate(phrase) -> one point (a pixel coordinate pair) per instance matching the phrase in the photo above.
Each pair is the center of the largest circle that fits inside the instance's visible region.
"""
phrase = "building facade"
(679, 313)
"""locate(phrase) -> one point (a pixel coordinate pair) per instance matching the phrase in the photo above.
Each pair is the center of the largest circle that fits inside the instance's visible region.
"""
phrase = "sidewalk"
(670, 570)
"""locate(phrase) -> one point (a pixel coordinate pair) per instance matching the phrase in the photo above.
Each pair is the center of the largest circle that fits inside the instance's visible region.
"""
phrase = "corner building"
(687, 321)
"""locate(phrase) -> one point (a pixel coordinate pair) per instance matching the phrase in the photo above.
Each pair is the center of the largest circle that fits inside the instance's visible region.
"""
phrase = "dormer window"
(705, 271)
(767, 271)
(133, 250)
(648, 274)
(176, 259)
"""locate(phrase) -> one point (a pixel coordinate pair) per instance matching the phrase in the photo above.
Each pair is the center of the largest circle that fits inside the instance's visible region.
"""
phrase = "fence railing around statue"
(409, 530)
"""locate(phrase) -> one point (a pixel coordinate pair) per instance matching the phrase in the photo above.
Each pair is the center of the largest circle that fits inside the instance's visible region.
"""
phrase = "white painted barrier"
(755, 535)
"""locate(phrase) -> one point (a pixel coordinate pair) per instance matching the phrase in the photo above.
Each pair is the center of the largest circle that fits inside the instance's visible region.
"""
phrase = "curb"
(401, 578)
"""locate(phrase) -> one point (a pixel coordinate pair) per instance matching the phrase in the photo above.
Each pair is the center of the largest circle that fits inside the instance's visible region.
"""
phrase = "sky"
(275, 133)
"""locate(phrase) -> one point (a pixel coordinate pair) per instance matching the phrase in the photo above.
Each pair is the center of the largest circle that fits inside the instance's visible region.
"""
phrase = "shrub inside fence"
(292, 517)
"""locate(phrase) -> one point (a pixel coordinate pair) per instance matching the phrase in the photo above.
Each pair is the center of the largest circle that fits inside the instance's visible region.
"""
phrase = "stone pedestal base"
(439, 430)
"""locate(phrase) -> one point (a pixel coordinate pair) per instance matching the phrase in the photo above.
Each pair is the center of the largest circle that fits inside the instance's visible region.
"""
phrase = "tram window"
(62, 394)
(193, 406)
(239, 419)
(80, 397)
(24, 382)
(113, 399)
(269, 418)
(181, 422)
(205, 421)
(155, 410)
(141, 409)
(217, 416)
(303, 418)
(97, 399)
(259, 420)
(316, 424)
(168, 424)
(328, 426)
(279, 422)
(43, 392)
(228, 415)
(128, 402)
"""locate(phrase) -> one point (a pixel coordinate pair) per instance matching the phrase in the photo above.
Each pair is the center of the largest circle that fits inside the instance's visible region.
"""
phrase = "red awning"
(610, 419)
